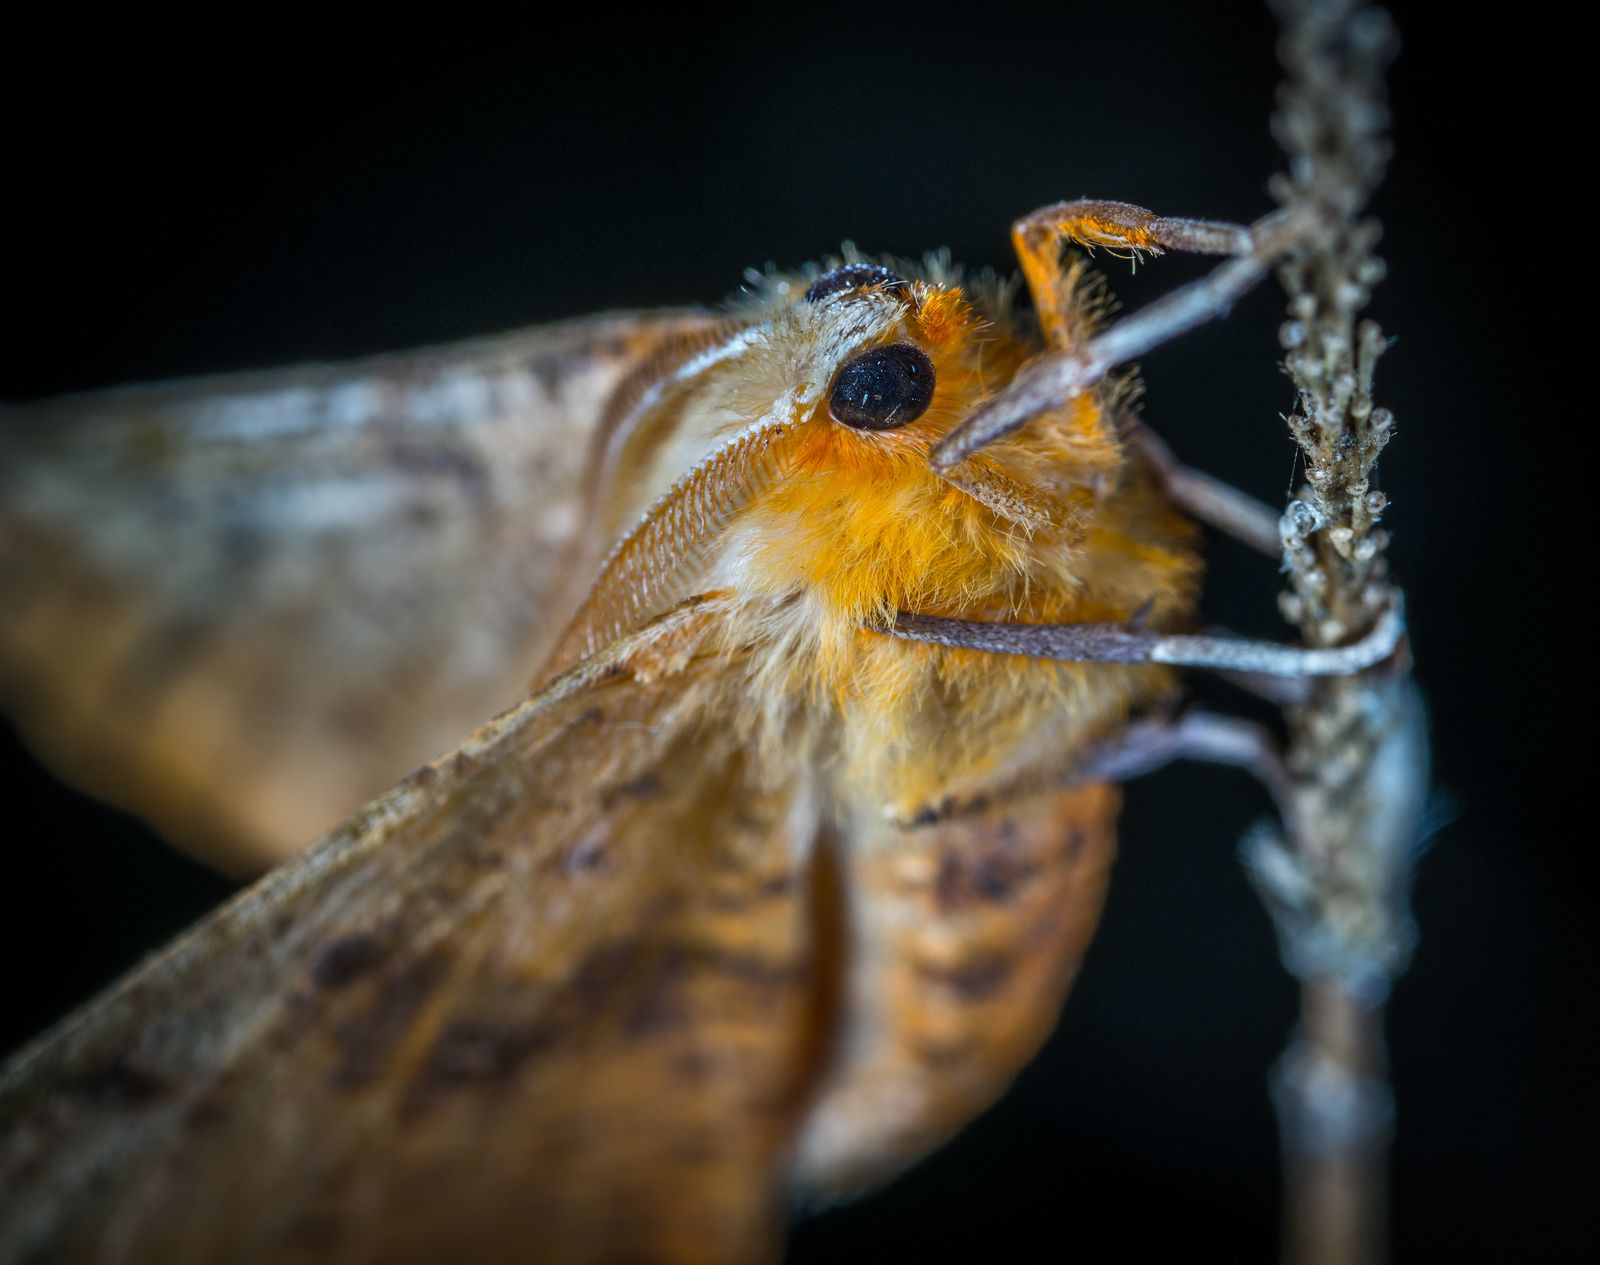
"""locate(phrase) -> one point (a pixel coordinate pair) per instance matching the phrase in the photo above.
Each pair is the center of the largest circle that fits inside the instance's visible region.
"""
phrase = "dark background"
(286, 195)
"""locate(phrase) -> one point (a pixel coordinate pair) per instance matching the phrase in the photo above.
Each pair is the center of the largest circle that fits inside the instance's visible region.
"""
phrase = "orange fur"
(843, 528)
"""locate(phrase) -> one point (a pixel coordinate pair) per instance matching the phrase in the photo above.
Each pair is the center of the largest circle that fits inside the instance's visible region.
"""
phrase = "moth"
(842, 609)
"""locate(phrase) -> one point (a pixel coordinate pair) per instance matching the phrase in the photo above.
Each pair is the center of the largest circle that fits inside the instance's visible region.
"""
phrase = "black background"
(258, 197)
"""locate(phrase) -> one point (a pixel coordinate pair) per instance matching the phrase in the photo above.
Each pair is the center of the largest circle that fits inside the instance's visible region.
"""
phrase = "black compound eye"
(883, 388)
(851, 277)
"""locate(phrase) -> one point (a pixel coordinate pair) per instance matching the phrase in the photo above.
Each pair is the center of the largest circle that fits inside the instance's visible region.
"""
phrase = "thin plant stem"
(1337, 877)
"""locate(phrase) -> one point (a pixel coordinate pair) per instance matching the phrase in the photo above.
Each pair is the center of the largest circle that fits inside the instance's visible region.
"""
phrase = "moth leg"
(1151, 744)
(1213, 502)
(1285, 691)
(1120, 227)
(1122, 643)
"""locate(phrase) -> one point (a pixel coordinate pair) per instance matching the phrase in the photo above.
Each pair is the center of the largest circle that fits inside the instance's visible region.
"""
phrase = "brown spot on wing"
(116, 1082)
(346, 960)
(368, 1038)
(990, 868)
(973, 980)
(647, 786)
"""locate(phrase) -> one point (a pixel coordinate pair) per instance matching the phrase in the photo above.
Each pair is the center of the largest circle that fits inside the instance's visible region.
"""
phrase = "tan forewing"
(243, 606)
(559, 996)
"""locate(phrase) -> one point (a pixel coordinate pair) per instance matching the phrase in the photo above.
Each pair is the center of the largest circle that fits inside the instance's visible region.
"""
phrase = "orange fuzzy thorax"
(836, 529)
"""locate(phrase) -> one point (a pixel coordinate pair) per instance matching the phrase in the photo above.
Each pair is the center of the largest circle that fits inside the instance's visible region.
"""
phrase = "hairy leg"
(1119, 227)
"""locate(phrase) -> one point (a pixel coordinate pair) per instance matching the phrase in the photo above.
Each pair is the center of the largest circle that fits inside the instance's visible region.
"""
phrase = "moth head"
(856, 518)
(787, 461)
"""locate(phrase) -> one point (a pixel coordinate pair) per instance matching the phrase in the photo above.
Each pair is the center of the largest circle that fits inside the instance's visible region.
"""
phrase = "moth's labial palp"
(883, 388)
(851, 277)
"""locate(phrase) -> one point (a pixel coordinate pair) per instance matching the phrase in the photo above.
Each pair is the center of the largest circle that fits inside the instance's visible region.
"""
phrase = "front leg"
(1120, 227)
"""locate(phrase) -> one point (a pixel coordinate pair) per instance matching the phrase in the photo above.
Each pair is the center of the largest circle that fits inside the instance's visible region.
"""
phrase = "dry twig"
(1338, 877)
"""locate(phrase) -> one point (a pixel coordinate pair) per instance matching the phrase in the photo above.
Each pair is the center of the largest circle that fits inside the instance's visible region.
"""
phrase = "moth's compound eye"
(883, 388)
(851, 277)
